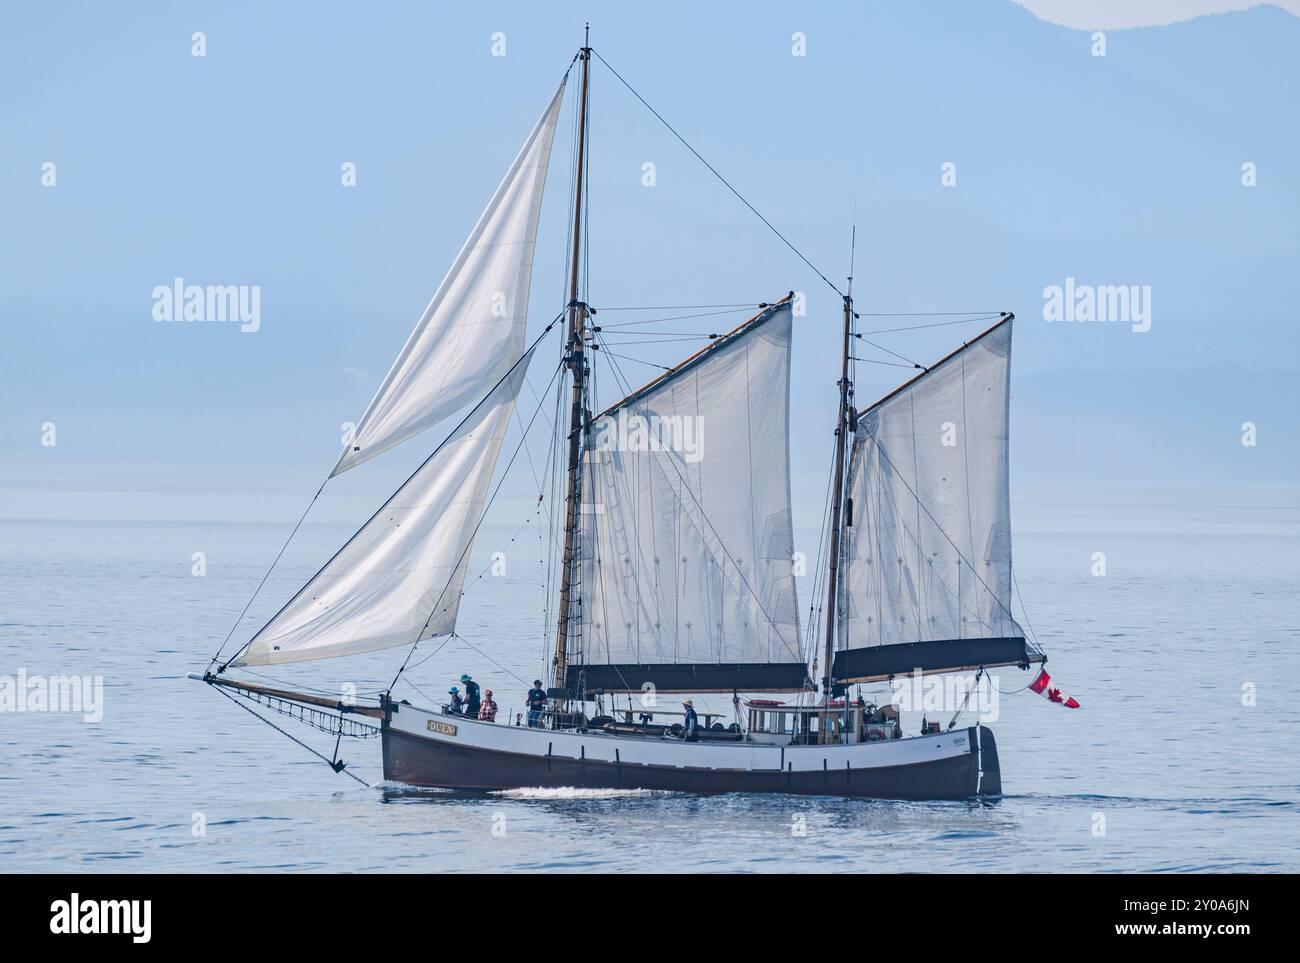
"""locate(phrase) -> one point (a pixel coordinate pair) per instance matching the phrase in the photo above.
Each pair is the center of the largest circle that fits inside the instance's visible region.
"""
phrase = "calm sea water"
(1164, 769)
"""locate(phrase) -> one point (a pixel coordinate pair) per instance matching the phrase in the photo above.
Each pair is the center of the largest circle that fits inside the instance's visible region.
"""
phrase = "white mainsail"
(928, 554)
(686, 539)
(399, 578)
(473, 329)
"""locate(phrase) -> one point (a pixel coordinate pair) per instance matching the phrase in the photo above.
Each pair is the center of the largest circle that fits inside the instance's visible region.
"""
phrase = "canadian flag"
(1043, 686)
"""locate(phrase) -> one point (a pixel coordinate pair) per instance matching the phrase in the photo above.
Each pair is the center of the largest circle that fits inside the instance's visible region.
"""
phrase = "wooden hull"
(485, 757)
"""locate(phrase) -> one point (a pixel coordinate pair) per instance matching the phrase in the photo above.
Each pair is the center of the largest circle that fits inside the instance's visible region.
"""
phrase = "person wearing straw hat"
(690, 723)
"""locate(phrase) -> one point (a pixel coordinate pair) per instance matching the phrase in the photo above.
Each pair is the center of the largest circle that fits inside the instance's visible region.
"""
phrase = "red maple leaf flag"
(1043, 687)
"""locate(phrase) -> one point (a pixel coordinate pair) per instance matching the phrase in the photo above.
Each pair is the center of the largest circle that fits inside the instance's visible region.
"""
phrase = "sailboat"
(676, 570)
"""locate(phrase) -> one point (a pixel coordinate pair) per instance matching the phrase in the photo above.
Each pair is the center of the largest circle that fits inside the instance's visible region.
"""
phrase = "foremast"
(576, 362)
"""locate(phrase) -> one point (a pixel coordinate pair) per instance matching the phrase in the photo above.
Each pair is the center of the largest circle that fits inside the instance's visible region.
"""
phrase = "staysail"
(473, 329)
(684, 577)
(926, 552)
(399, 578)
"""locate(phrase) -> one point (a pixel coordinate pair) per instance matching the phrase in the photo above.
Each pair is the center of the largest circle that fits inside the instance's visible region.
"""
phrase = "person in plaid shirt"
(487, 711)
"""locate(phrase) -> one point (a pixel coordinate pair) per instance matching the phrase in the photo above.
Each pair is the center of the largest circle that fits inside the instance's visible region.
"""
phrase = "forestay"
(473, 329)
(685, 546)
(926, 563)
(399, 578)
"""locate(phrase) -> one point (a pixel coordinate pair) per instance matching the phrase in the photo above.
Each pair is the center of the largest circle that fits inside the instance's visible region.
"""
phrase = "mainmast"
(577, 364)
(837, 503)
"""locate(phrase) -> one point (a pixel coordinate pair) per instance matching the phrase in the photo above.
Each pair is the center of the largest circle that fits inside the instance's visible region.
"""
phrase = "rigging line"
(426, 659)
(625, 357)
(677, 307)
(552, 547)
(474, 534)
(539, 480)
(726, 553)
(216, 655)
(431, 699)
(291, 736)
(892, 364)
(532, 466)
(388, 501)
(715, 173)
(658, 463)
(551, 422)
(311, 715)
(482, 516)
(906, 534)
(1021, 689)
(936, 324)
(621, 381)
(680, 317)
(970, 512)
(922, 314)
(586, 211)
(573, 170)
(1025, 612)
(942, 531)
(597, 568)
(914, 364)
(823, 548)
(492, 660)
(518, 531)
(669, 339)
(661, 334)
(302, 686)
(626, 388)
(966, 701)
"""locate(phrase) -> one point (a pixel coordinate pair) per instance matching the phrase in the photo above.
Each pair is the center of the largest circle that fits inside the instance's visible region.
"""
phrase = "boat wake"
(573, 792)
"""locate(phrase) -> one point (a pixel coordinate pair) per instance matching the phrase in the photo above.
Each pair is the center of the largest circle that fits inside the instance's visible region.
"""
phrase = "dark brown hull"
(427, 762)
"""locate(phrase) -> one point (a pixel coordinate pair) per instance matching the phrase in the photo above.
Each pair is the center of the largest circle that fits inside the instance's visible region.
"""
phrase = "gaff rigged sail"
(685, 574)
(926, 556)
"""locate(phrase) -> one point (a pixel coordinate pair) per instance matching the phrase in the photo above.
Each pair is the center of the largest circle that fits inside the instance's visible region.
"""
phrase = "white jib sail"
(686, 539)
(400, 577)
(928, 556)
(473, 329)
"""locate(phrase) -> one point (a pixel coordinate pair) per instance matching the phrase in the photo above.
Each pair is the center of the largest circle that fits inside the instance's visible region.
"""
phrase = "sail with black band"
(683, 571)
(926, 554)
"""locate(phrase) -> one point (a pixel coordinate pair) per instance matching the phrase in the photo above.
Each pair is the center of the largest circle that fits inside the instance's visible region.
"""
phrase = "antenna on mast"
(853, 247)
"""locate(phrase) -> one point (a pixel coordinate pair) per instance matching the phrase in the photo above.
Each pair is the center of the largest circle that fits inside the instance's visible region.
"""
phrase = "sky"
(1122, 169)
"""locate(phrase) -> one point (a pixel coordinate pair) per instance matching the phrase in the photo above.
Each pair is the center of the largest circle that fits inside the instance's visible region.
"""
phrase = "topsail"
(473, 329)
(926, 554)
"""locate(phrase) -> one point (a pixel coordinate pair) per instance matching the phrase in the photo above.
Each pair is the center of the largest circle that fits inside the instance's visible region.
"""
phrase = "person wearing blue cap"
(456, 706)
(471, 706)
